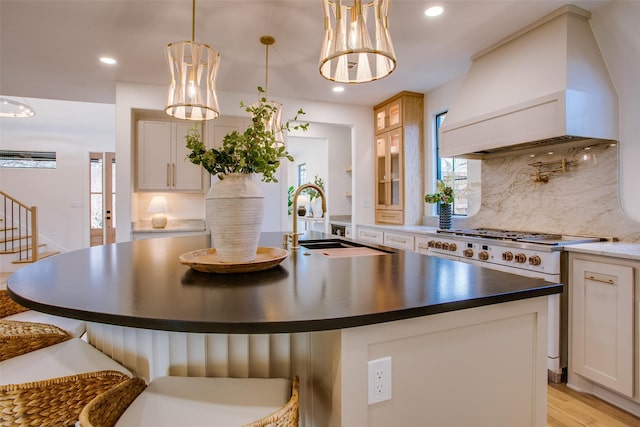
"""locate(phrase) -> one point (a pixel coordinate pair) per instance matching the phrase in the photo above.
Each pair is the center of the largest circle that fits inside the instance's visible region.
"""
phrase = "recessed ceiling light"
(338, 89)
(434, 11)
(107, 60)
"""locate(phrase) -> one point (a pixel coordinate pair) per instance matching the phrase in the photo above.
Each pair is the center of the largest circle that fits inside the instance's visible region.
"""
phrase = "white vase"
(316, 207)
(235, 208)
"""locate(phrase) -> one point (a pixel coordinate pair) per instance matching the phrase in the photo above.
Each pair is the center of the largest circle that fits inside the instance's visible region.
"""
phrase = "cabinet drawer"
(389, 217)
(399, 241)
(370, 235)
(422, 244)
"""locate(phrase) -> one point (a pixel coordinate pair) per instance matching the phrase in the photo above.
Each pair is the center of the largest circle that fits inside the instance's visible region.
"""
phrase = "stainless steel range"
(530, 254)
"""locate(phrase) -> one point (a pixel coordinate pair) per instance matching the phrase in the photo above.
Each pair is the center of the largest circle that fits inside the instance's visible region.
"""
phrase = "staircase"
(19, 232)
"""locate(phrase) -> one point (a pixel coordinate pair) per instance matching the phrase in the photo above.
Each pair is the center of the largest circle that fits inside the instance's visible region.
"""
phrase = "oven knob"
(453, 247)
(483, 255)
(445, 246)
(507, 256)
(521, 258)
(468, 253)
(438, 245)
(535, 260)
(432, 243)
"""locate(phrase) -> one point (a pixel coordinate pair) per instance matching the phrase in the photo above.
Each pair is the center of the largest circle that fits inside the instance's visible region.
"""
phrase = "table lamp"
(158, 207)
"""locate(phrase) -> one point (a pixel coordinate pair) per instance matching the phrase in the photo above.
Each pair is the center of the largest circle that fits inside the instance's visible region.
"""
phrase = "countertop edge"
(313, 325)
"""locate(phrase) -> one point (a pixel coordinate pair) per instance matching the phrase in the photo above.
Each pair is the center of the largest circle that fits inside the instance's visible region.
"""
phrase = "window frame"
(438, 121)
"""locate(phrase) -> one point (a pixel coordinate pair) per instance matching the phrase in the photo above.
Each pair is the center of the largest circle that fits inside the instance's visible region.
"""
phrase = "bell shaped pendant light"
(274, 125)
(193, 68)
(352, 51)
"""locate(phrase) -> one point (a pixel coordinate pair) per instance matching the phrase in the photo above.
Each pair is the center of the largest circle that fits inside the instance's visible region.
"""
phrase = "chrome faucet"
(294, 235)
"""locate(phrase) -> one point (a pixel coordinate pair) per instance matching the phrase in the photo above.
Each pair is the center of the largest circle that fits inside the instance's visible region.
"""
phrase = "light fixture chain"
(266, 74)
(193, 21)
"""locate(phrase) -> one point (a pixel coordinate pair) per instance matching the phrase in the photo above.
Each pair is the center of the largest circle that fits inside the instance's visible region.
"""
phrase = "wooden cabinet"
(388, 115)
(398, 151)
(389, 173)
(162, 163)
(602, 322)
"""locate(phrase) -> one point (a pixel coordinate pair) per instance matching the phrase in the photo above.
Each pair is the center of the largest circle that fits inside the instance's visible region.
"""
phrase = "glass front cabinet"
(398, 163)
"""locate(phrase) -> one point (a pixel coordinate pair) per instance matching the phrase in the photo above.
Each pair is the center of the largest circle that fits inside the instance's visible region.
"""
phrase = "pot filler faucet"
(294, 235)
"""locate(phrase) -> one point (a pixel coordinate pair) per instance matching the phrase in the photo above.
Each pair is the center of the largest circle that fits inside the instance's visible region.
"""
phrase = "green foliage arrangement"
(443, 194)
(253, 151)
(312, 192)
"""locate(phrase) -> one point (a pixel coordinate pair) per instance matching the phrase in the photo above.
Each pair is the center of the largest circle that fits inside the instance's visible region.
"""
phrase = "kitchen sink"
(337, 248)
(328, 244)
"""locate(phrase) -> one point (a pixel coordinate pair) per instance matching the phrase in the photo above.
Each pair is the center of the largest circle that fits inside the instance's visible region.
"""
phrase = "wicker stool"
(17, 338)
(50, 386)
(11, 310)
(53, 402)
(9, 306)
(172, 401)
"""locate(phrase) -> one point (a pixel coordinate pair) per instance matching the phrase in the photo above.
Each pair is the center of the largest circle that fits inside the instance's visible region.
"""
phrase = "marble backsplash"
(582, 201)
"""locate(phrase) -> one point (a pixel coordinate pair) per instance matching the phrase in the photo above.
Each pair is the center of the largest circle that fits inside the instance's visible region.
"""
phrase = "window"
(453, 171)
(28, 159)
(302, 174)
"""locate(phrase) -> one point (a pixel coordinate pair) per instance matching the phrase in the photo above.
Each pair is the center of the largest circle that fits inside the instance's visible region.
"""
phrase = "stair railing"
(20, 231)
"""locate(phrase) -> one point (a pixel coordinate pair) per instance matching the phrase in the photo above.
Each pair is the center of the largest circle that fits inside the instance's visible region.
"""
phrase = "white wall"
(615, 26)
(359, 119)
(438, 101)
(72, 130)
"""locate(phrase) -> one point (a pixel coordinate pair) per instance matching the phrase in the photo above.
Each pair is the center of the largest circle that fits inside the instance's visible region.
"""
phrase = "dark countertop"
(142, 284)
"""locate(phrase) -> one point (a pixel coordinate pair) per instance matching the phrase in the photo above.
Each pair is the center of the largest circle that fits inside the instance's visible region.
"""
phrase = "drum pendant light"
(192, 67)
(348, 53)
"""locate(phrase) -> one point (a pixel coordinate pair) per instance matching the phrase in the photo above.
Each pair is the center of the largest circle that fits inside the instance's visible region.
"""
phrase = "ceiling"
(49, 48)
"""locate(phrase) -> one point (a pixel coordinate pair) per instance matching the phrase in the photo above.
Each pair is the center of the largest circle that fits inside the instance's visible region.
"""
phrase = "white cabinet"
(370, 235)
(602, 322)
(162, 163)
(422, 244)
(215, 130)
(399, 240)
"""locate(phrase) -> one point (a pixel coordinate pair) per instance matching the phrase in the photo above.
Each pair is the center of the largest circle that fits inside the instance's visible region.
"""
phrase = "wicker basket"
(9, 306)
(104, 410)
(18, 337)
(53, 402)
(287, 416)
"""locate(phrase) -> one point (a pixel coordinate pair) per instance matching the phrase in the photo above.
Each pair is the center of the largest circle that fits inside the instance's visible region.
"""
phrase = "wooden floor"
(568, 408)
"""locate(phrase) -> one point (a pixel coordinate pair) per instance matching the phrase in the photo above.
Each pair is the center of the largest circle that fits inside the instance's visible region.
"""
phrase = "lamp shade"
(193, 68)
(352, 51)
(158, 204)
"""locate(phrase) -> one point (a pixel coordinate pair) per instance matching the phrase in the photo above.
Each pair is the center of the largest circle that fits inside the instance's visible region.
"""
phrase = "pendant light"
(193, 67)
(348, 54)
(274, 125)
(13, 108)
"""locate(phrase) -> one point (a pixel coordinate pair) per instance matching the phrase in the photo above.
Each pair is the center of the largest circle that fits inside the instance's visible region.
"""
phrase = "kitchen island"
(468, 345)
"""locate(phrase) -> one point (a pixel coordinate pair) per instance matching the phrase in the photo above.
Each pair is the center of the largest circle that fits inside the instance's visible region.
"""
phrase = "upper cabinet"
(161, 152)
(388, 115)
(399, 136)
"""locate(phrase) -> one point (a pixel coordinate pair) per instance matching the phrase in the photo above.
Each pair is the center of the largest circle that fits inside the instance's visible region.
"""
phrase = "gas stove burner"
(520, 236)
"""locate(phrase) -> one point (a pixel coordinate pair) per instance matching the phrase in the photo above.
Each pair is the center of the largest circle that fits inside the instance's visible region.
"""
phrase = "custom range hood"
(544, 85)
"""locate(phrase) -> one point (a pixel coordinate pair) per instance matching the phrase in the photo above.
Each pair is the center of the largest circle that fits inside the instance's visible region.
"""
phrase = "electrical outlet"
(379, 380)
